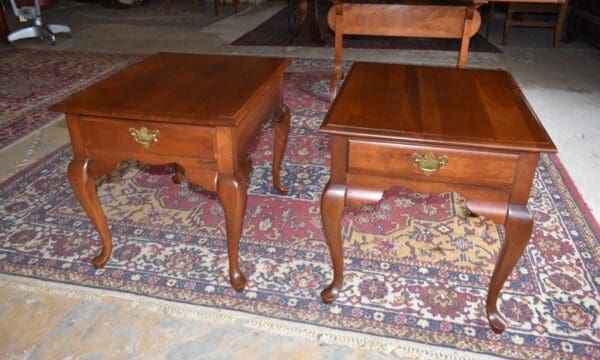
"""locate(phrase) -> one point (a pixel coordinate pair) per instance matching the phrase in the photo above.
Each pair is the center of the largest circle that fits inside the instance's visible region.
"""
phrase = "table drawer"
(457, 165)
(171, 139)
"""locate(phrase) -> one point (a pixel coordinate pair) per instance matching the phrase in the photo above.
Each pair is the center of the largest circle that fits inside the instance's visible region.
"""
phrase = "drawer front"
(453, 165)
(171, 139)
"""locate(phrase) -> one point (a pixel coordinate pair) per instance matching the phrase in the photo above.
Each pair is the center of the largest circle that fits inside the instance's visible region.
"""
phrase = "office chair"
(31, 10)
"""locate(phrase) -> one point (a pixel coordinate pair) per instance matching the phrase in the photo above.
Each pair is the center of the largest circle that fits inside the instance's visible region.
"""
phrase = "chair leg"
(559, 23)
(507, 25)
(25, 33)
(58, 29)
(48, 34)
(490, 18)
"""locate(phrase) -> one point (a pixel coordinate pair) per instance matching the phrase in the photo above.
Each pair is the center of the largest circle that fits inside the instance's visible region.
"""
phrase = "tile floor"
(43, 321)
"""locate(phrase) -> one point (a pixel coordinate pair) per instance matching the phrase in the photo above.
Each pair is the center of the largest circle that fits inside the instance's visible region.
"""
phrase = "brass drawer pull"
(143, 136)
(429, 163)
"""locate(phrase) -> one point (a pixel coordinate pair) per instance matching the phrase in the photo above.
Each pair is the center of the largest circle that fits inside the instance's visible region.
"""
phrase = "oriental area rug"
(417, 266)
(32, 80)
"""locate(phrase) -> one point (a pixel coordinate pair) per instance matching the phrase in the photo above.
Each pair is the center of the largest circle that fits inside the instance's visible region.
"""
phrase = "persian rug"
(276, 31)
(32, 80)
(183, 13)
(417, 267)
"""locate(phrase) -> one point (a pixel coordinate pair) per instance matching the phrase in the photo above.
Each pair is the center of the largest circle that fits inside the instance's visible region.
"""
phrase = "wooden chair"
(460, 21)
(560, 10)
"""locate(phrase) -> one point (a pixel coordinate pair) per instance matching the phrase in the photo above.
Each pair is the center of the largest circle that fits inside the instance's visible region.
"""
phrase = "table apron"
(482, 200)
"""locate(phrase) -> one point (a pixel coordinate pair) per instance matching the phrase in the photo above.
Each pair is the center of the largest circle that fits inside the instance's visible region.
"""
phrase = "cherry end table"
(200, 112)
(434, 129)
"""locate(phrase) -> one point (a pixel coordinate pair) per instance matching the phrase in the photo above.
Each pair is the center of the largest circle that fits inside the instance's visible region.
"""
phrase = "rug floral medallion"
(32, 80)
(417, 265)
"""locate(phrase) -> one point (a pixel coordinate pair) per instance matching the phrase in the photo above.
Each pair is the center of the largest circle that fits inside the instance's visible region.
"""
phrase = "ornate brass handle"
(429, 163)
(144, 136)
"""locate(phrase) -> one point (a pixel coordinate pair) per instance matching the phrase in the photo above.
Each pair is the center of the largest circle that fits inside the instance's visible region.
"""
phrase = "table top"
(436, 106)
(179, 88)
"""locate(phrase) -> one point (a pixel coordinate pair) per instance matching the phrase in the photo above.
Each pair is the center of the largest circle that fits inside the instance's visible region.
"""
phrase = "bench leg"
(559, 24)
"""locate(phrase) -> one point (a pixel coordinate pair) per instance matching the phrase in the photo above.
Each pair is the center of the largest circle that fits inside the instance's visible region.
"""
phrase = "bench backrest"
(460, 21)
(435, 21)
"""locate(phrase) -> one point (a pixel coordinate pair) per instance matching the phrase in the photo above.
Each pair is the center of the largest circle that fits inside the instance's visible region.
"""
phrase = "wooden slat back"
(404, 20)
(458, 21)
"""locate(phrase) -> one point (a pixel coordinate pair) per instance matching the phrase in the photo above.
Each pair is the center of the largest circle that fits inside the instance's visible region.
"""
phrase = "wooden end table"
(201, 112)
(434, 129)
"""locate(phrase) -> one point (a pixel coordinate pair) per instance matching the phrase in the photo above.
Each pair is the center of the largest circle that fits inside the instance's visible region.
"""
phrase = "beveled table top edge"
(411, 138)
(429, 139)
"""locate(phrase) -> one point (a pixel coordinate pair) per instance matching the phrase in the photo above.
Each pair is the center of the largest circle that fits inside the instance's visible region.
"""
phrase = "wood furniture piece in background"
(434, 129)
(584, 22)
(201, 112)
(452, 21)
(517, 14)
(307, 25)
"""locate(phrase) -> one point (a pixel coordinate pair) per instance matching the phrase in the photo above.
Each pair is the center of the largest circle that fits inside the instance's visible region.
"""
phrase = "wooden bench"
(456, 21)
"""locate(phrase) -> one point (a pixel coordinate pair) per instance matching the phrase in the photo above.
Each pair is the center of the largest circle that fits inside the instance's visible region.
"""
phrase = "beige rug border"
(32, 142)
(390, 347)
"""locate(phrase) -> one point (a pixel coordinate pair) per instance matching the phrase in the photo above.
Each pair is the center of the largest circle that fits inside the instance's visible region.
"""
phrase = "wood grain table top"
(436, 106)
(179, 88)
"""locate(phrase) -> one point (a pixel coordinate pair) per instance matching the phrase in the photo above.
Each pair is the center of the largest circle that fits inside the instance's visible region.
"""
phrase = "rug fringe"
(387, 346)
